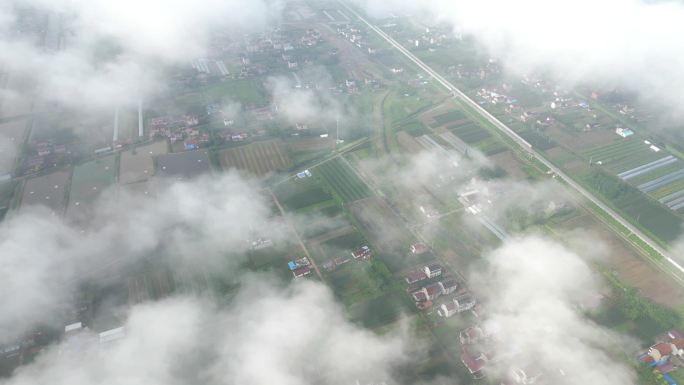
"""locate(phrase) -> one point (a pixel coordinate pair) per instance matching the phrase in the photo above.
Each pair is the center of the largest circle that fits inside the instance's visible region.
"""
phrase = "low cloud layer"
(201, 223)
(310, 101)
(294, 335)
(631, 44)
(535, 289)
(102, 53)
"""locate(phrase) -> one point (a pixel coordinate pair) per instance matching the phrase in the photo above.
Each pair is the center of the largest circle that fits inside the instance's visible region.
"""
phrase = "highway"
(520, 141)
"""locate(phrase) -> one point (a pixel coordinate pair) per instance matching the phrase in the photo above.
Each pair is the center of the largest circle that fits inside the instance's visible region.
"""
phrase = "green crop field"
(448, 117)
(344, 244)
(654, 174)
(623, 155)
(342, 180)
(642, 210)
(538, 140)
(355, 281)
(414, 128)
(470, 132)
(380, 311)
(490, 146)
(667, 190)
(397, 106)
(246, 91)
(91, 178)
(297, 194)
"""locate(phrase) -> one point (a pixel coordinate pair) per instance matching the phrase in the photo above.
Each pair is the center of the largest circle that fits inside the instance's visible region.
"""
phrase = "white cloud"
(204, 222)
(534, 288)
(633, 44)
(294, 335)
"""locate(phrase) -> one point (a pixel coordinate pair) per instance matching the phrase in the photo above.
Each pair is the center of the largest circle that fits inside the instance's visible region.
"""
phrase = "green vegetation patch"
(414, 128)
(643, 211)
(91, 178)
(342, 180)
(382, 310)
(633, 314)
(538, 140)
(297, 194)
(448, 117)
(246, 91)
(471, 132)
(344, 243)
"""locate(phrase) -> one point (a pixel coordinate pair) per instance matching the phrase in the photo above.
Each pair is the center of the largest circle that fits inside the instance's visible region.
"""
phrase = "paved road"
(519, 140)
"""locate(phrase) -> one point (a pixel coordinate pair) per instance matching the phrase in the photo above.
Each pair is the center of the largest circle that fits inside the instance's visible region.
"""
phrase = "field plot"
(538, 140)
(137, 164)
(274, 259)
(12, 134)
(648, 168)
(402, 104)
(649, 214)
(246, 91)
(623, 155)
(414, 128)
(662, 181)
(448, 117)
(355, 281)
(145, 188)
(87, 182)
(48, 190)
(184, 165)
(460, 241)
(297, 194)
(258, 158)
(382, 310)
(342, 245)
(342, 180)
(470, 132)
(385, 231)
(623, 260)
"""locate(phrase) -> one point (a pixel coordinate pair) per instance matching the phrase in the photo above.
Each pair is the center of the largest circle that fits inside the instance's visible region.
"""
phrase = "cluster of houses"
(430, 38)
(431, 282)
(300, 267)
(355, 36)
(478, 352)
(667, 354)
(42, 155)
(490, 69)
(179, 128)
(362, 253)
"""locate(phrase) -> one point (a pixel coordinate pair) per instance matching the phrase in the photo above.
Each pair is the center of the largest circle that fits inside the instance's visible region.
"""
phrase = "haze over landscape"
(350, 192)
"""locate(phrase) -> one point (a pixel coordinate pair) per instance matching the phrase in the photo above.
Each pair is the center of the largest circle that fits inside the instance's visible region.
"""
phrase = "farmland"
(622, 155)
(342, 180)
(260, 158)
(646, 212)
(91, 178)
(301, 193)
(88, 181)
(13, 132)
(448, 117)
(470, 132)
(246, 91)
(385, 230)
(47, 190)
(343, 244)
(137, 164)
(183, 165)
